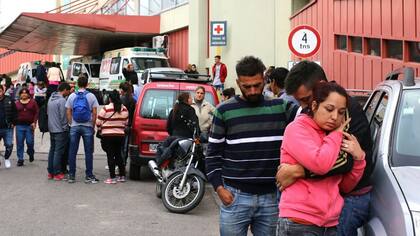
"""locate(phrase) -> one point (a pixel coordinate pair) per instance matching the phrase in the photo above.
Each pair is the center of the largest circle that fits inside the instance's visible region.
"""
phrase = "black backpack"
(43, 118)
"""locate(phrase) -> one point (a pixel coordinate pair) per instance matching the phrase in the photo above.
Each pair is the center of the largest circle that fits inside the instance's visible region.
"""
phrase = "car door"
(386, 194)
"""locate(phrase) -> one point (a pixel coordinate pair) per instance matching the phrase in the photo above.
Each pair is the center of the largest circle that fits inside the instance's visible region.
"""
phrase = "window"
(356, 44)
(341, 41)
(297, 5)
(77, 69)
(208, 97)
(374, 47)
(407, 133)
(375, 113)
(394, 49)
(115, 65)
(146, 63)
(87, 68)
(373, 103)
(414, 51)
(94, 68)
(157, 103)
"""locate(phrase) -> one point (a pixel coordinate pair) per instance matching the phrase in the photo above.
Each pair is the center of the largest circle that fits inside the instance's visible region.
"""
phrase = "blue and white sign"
(218, 33)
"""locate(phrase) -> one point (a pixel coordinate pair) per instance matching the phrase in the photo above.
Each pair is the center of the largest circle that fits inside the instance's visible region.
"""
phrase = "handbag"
(99, 131)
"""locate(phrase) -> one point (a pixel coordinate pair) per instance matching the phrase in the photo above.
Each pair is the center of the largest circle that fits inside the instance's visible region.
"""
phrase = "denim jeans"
(258, 211)
(355, 213)
(24, 132)
(7, 136)
(87, 134)
(286, 227)
(58, 143)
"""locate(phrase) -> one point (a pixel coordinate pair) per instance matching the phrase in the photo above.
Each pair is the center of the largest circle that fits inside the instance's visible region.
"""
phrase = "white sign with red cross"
(304, 41)
(218, 33)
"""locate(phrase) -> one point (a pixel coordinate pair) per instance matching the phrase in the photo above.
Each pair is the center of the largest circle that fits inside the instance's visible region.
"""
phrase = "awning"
(77, 34)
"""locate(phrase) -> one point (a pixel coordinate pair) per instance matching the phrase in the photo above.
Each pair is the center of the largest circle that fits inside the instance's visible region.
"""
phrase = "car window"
(146, 63)
(115, 65)
(157, 103)
(77, 69)
(378, 117)
(407, 133)
(373, 104)
(87, 68)
(94, 69)
(208, 97)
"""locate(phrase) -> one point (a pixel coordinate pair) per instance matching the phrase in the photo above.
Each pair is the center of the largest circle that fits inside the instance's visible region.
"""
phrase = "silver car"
(393, 112)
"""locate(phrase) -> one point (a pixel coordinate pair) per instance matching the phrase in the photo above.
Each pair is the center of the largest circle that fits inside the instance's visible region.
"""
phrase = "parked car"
(393, 112)
(149, 123)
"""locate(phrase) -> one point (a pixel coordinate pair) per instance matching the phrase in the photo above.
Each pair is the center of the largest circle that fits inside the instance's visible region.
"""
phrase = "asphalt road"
(32, 205)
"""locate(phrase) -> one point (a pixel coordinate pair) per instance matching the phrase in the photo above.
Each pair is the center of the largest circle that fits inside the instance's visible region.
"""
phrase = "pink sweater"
(315, 200)
(114, 126)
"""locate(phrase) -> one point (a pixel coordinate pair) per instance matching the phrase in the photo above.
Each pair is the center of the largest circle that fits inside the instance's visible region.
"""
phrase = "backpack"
(43, 119)
(81, 109)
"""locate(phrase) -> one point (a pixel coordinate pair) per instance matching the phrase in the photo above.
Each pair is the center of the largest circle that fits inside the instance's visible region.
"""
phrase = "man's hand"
(288, 174)
(225, 195)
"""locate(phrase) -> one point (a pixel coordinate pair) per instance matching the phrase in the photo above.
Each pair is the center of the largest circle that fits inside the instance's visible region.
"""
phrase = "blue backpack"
(81, 109)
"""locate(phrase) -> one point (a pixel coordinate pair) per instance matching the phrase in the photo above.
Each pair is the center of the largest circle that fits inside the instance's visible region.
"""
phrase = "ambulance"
(88, 65)
(113, 62)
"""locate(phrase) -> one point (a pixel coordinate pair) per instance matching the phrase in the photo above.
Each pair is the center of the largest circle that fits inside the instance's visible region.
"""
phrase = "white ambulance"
(113, 62)
(89, 65)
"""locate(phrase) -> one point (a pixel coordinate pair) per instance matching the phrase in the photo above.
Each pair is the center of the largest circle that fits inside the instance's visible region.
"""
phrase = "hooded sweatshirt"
(317, 201)
(57, 119)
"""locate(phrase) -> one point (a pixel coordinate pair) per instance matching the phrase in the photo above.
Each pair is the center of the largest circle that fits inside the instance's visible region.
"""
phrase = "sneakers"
(31, 158)
(71, 179)
(110, 181)
(7, 163)
(91, 180)
(121, 179)
(20, 163)
(59, 177)
(65, 177)
(50, 176)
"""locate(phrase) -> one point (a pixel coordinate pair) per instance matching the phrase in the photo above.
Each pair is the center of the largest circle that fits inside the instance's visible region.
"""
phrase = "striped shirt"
(112, 124)
(244, 144)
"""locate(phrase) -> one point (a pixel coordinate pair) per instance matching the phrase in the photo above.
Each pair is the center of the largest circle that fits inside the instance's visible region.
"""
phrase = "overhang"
(77, 34)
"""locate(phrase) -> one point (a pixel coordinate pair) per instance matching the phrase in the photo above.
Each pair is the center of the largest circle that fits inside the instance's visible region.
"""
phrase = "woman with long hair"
(27, 112)
(314, 140)
(182, 119)
(111, 121)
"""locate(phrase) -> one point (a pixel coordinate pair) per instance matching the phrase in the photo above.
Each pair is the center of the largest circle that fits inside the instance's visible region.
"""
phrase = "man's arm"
(214, 156)
(69, 115)
(94, 114)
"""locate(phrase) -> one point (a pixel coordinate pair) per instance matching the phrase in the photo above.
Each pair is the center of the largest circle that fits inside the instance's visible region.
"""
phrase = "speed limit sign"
(304, 41)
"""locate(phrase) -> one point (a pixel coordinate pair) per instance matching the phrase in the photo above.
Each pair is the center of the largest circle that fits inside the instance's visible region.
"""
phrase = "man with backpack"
(81, 114)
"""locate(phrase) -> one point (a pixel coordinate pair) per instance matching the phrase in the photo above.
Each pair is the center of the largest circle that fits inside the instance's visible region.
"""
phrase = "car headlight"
(416, 222)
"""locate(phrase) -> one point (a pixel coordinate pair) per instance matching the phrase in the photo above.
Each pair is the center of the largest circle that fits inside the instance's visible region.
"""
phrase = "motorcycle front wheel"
(182, 200)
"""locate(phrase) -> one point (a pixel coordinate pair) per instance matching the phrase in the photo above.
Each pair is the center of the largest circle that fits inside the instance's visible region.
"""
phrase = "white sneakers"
(7, 163)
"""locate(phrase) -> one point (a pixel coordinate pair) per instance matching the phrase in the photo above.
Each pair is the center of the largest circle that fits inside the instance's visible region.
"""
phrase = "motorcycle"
(180, 179)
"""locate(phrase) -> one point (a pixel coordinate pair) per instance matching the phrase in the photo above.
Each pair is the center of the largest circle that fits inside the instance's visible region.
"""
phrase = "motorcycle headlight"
(416, 222)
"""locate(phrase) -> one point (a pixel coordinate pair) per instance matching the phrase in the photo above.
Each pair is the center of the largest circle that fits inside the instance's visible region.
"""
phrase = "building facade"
(363, 40)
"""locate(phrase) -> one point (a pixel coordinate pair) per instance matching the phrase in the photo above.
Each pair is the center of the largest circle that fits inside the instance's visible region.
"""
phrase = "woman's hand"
(343, 125)
(352, 146)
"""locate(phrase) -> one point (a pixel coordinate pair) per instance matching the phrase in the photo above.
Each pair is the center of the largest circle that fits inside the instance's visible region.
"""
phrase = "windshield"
(141, 63)
(407, 138)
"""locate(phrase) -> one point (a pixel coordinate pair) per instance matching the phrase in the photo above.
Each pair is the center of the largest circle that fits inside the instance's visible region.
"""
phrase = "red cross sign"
(218, 32)
(218, 29)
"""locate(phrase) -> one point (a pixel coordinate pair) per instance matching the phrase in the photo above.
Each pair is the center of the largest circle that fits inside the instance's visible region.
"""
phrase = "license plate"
(153, 147)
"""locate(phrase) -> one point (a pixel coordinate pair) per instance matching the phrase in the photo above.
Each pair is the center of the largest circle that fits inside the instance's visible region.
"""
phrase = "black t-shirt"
(3, 123)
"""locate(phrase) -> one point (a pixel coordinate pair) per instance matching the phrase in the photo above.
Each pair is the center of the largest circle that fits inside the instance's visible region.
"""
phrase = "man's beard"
(253, 99)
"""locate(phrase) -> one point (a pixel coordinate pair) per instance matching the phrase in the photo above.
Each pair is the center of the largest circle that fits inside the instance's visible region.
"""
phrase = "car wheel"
(134, 172)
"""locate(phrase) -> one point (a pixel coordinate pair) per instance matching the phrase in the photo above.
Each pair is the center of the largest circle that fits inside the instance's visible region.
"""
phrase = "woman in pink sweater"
(112, 120)
(314, 141)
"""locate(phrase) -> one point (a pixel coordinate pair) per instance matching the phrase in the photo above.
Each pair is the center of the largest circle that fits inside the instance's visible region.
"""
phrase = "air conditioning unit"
(158, 41)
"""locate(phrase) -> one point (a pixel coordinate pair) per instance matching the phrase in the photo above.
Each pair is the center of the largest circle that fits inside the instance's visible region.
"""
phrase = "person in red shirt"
(27, 115)
(219, 72)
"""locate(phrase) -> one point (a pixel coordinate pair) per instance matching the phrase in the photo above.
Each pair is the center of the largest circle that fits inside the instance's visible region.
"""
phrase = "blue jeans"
(87, 134)
(258, 211)
(7, 136)
(286, 227)
(355, 213)
(58, 143)
(24, 132)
